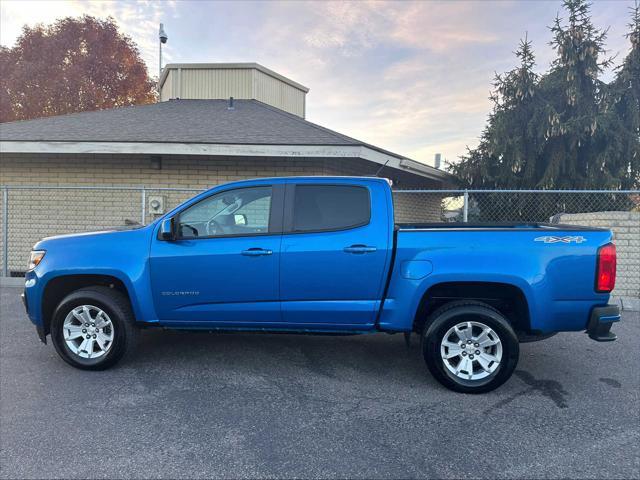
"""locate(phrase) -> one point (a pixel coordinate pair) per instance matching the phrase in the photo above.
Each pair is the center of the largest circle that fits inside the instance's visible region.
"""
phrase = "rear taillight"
(606, 268)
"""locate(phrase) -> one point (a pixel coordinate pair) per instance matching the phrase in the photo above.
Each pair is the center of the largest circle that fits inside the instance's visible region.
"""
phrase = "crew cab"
(323, 255)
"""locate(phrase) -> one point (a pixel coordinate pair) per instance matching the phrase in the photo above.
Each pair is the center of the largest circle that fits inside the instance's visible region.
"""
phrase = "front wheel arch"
(118, 313)
(59, 287)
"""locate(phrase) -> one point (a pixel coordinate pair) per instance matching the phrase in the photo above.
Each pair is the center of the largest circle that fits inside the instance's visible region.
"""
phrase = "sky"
(410, 77)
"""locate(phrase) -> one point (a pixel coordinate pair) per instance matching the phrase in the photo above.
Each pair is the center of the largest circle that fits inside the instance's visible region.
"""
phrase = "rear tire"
(94, 328)
(469, 347)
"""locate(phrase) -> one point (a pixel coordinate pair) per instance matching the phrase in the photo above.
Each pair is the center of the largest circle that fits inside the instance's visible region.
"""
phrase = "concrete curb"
(627, 304)
(11, 281)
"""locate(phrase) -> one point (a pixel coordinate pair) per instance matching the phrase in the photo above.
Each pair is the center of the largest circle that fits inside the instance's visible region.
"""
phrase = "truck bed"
(494, 226)
(552, 265)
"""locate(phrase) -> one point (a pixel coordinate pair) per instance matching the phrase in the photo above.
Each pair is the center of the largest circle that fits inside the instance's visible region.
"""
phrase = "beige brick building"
(626, 231)
(184, 145)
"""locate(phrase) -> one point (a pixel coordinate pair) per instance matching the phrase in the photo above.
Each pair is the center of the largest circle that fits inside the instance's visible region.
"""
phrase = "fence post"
(5, 231)
(465, 207)
(144, 205)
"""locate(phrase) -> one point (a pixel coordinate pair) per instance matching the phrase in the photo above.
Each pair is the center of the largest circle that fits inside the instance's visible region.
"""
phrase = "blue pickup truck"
(323, 255)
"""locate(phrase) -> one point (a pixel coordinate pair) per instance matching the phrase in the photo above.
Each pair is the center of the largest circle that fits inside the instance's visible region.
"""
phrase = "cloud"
(397, 74)
(353, 27)
(441, 26)
(411, 77)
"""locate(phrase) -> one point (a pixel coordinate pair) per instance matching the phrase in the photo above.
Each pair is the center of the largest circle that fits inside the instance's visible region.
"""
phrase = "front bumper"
(600, 321)
(41, 334)
(24, 302)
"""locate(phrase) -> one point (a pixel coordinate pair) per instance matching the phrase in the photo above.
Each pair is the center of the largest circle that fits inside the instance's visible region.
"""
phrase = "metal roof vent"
(230, 107)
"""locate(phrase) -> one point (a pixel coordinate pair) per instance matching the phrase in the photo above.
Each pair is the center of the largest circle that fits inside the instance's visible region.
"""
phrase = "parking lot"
(253, 405)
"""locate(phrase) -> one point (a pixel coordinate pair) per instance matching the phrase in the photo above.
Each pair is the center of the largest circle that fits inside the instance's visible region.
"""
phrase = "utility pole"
(163, 37)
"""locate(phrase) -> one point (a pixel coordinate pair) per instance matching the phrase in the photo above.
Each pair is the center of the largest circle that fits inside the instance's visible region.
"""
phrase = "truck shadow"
(327, 356)
(324, 359)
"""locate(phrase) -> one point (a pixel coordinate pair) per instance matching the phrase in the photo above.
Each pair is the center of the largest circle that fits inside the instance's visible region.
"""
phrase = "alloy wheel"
(88, 332)
(471, 350)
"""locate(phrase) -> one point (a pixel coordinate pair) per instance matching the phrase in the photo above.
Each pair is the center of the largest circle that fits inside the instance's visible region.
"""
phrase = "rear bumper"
(600, 321)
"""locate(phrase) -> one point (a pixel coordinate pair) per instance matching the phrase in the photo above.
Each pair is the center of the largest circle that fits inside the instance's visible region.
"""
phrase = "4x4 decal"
(554, 239)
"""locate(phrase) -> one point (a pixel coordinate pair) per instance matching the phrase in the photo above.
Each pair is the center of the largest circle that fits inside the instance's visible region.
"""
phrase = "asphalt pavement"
(201, 405)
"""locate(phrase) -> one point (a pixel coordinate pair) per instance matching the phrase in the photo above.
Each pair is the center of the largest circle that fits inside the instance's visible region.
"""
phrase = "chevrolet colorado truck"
(323, 255)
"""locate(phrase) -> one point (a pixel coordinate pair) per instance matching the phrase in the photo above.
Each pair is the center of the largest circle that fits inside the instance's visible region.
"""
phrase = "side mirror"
(167, 230)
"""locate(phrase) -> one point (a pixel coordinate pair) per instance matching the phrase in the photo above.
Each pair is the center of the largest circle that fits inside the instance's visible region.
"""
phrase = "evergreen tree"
(565, 129)
(510, 145)
(623, 107)
(575, 96)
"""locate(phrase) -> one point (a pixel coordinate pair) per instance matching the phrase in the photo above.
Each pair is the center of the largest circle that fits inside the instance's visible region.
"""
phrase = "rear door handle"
(256, 252)
(359, 249)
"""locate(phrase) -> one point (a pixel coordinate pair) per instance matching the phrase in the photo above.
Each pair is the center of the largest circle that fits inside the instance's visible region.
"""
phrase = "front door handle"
(256, 252)
(359, 249)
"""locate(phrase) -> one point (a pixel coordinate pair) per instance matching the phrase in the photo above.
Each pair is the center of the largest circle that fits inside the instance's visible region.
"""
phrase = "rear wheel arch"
(58, 288)
(508, 299)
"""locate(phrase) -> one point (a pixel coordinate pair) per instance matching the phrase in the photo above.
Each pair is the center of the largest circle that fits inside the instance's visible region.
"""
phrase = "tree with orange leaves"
(72, 65)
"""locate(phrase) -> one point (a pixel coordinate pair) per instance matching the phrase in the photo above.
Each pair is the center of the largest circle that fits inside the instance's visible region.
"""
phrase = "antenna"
(381, 167)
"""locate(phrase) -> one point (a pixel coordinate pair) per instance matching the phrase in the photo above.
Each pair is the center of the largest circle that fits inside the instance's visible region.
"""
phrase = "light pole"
(163, 37)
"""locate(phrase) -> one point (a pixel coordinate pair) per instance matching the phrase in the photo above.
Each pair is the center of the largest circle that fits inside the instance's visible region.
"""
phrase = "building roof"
(195, 127)
(184, 121)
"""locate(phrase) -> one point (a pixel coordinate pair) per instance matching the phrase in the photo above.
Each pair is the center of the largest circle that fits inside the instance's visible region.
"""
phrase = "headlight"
(35, 259)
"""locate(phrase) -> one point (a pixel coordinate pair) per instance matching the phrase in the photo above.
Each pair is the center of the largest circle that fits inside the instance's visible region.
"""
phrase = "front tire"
(93, 328)
(470, 347)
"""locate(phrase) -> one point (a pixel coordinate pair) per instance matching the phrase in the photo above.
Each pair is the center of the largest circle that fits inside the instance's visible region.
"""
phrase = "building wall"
(279, 94)
(417, 207)
(34, 214)
(208, 84)
(240, 83)
(168, 90)
(408, 207)
(626, 230)
(190, 83)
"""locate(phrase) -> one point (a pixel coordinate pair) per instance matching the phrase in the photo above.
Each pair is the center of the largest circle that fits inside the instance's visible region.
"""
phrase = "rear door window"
(319, 208)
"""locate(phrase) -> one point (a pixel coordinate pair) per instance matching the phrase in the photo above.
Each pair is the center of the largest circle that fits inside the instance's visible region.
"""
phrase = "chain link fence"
(490, 206)
(30, 213)
(616, 210)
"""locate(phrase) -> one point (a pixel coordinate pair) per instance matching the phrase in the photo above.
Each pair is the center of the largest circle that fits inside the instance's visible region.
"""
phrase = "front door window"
(244, 211)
